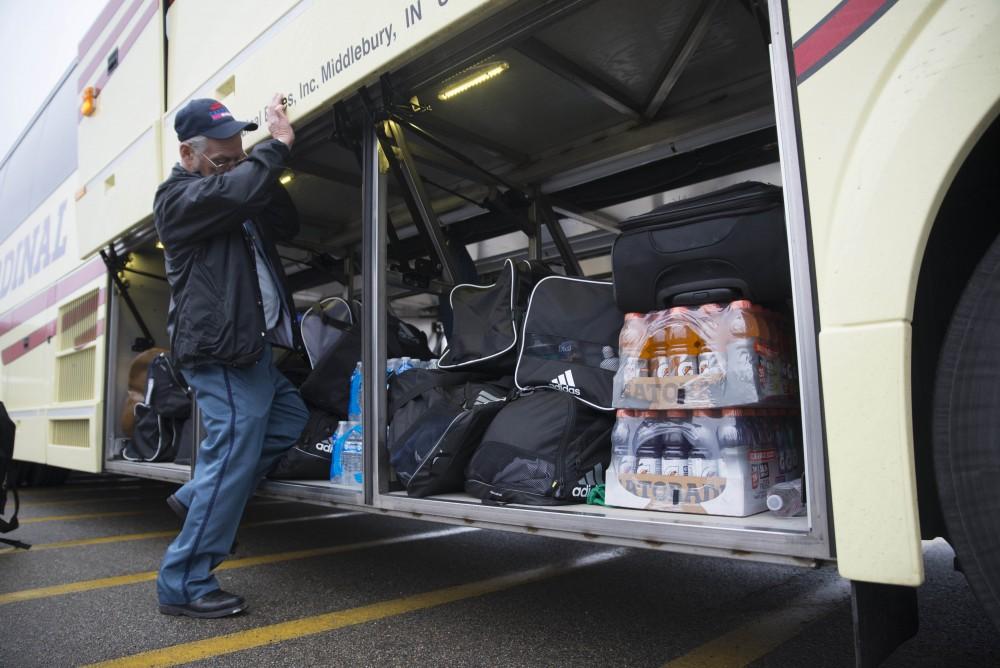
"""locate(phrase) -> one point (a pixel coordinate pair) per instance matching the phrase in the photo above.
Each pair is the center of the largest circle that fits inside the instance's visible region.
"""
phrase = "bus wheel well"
(963, 230)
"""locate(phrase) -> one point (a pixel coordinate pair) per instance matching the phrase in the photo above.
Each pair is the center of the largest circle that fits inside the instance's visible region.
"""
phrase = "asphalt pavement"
(330, 587)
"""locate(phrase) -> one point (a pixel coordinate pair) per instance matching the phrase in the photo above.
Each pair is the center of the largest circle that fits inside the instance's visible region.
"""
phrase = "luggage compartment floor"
(762, 521)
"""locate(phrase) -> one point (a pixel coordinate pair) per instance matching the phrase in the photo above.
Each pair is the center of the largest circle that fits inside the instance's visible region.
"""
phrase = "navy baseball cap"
(208, 118)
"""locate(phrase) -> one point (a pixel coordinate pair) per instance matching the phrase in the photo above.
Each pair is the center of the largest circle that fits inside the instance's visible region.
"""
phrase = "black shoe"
(217, 604)
(182, 512)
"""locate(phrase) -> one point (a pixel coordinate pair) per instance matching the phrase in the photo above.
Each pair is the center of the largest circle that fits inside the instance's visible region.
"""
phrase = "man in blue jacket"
(218, 215)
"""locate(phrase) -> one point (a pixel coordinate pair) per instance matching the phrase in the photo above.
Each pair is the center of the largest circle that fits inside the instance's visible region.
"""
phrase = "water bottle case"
(726, 245)
(711, 356)
(709, 462)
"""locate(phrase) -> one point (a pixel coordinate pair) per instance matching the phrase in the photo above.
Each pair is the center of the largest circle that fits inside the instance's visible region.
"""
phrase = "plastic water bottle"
(405, 364)
(353, 457)
(354, 404)
(622, 455)
(785, 499)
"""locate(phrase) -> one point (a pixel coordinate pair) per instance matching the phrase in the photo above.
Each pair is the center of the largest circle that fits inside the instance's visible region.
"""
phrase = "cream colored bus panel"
(130, 96)
(321, 51)
(877, 166)
(120, 196)
(75, 415)
(204, 36)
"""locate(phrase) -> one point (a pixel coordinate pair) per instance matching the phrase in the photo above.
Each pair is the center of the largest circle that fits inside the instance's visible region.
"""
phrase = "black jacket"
(216, 315)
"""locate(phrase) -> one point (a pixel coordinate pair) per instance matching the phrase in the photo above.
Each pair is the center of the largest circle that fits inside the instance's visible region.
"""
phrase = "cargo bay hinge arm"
(116, 265)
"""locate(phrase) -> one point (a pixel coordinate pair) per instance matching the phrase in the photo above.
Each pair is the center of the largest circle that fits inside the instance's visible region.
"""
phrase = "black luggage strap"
(443, 379)
(7, 526)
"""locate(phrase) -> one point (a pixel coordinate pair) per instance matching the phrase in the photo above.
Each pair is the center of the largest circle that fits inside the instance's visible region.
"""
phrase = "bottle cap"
(775, 502)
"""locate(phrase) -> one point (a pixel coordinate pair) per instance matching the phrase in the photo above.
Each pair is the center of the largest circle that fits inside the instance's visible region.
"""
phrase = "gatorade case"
(725, 245)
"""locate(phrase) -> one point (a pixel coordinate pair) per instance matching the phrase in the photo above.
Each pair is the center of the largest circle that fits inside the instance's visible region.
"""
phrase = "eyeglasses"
(224, 165)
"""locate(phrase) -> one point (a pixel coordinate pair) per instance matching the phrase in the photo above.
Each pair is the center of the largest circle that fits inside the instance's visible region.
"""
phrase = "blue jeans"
(251, 416)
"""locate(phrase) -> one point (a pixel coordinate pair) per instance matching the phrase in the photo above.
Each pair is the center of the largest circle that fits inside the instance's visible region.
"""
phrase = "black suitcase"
(725, 245)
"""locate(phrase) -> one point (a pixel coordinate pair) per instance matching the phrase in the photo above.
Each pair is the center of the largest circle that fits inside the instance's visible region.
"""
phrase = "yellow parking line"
(82, 502)
(38, 493)
(275, 633)
(80, 516)
(767, 632)
(121, 580)
(122, 538)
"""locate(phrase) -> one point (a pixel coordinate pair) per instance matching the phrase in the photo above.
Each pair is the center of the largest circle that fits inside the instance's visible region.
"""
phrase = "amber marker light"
(88, 106)
(478, 76)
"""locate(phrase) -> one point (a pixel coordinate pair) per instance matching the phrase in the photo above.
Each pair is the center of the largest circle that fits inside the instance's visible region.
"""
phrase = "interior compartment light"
(479, 75)
(88, 106)
(286, 178)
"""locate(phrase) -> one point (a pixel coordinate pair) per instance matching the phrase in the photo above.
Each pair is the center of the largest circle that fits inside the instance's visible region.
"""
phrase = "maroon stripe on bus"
(90, 335)
(102, 53)
(95, 30)
(834, 33)
(84, 309)
(51, 295)
(123, 49)
(29, 343)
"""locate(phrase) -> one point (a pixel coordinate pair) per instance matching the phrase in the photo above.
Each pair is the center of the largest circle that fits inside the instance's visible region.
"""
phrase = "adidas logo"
(594, 477)
(565, 382)
(486, 398)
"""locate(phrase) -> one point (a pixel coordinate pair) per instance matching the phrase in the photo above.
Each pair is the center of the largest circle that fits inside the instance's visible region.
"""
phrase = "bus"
(416, 120)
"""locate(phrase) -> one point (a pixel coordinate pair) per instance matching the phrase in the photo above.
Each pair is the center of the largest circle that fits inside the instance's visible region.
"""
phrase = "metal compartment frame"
(803, 542)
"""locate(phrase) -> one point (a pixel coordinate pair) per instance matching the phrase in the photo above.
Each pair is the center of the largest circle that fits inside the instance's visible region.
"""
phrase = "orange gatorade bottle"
(710, 356)
(767, 350)
(655, 350)
(682, 344)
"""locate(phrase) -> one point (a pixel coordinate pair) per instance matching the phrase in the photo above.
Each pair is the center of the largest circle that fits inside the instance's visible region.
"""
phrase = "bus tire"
(966, 431)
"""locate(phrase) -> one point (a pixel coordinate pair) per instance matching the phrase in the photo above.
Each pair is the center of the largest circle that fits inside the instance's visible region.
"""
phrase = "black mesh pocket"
(511, 469)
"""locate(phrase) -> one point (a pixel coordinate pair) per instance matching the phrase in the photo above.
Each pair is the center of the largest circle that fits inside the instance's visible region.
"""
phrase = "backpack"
(8, 478)
(544, 448)
(309, 458)
(138, 373)
(160, 418)
(333, 338)
(487, 319)
(437, 419)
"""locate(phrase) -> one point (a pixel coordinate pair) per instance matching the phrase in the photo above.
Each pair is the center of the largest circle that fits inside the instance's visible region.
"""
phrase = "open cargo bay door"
(121, 79)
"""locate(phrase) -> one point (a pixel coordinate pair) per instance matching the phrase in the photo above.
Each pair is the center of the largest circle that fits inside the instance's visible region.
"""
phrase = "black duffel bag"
(437, 419)
(725, 245)
(309, 458)
(328, 385)
(570, 339)
(160, 418)
(487, 319)
(543, 448)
